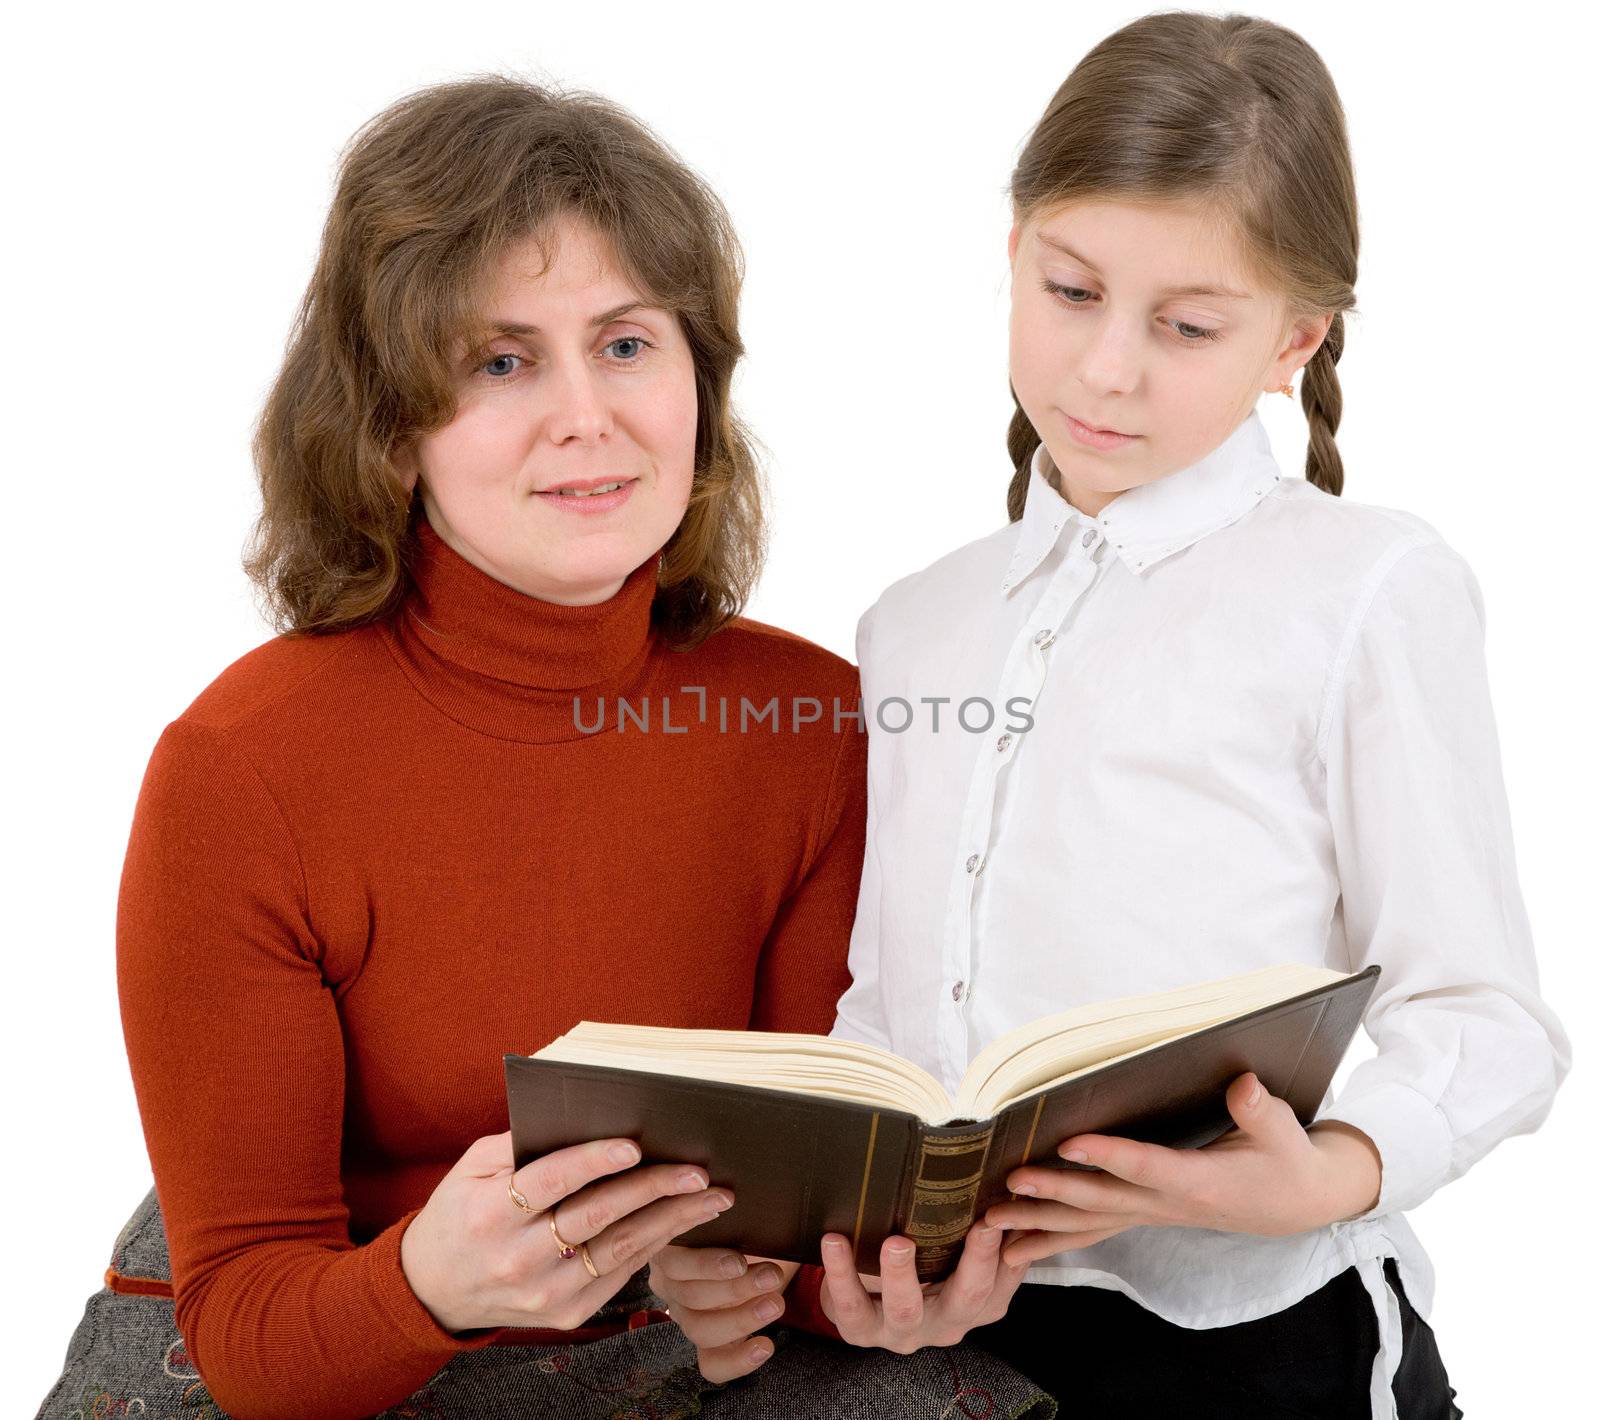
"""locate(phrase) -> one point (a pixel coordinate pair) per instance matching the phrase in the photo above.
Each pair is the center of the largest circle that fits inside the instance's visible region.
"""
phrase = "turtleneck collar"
(509, 664)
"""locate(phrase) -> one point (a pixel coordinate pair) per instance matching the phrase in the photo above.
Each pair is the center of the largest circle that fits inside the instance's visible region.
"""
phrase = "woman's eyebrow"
(509, 327)
(1084, 261)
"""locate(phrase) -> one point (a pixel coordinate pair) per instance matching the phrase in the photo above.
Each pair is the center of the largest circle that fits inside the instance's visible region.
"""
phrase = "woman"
(480, 787)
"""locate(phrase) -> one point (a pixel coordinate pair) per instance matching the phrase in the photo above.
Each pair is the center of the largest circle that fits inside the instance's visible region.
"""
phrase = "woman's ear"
(1011, 243)
(403, 458)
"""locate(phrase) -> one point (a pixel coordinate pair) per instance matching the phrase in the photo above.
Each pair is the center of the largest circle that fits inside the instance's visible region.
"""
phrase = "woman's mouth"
(589, 495)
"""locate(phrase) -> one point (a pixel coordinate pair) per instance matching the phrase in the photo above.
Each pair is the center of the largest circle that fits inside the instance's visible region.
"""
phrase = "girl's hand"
(475, 1258)
(903, 1317)
(1272, 1177)
(720, 1299)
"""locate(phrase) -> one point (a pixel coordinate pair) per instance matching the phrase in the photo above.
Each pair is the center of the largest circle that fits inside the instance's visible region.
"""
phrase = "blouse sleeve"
(1468, 1053)
(859, 1015)
(238, 1069)
(802, 967)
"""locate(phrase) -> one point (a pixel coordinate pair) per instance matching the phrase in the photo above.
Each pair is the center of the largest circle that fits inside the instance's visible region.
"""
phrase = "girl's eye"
(1077, 296)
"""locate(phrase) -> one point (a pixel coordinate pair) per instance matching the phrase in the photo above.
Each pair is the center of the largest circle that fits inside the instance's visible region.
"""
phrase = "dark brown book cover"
(800, 1166)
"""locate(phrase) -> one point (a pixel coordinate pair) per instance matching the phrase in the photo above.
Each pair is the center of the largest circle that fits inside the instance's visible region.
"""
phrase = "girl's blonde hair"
(1235, 114)
(431, 193)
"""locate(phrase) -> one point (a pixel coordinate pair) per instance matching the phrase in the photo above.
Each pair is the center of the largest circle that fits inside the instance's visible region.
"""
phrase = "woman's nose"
(579, 407)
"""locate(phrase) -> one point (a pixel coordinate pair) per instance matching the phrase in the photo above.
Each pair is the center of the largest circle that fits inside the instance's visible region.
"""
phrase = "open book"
(815, 1134)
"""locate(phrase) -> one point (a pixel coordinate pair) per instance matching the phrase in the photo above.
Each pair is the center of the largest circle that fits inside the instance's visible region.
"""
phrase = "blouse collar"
(1151, 522)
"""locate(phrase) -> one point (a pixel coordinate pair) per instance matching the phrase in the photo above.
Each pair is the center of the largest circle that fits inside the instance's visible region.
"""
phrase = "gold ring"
(583, 1252)
(563, 1247)
(520, 1199)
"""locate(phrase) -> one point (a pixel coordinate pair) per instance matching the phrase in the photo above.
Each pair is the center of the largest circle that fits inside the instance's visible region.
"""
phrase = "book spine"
(947, 1169)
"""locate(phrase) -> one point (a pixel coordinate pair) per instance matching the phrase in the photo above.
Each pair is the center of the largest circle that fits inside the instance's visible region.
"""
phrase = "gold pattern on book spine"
(944, 1196)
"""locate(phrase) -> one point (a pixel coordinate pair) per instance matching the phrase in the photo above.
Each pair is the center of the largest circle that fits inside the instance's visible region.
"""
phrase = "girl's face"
(1143, 320)
(581, 383)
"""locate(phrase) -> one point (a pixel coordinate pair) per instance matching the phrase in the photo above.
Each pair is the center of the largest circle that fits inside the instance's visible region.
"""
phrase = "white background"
(170, 169)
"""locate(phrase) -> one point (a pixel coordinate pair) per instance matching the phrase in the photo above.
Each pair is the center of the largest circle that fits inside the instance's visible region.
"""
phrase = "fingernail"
(624, 1154)
(767, 1308)
(732, 1266)
(1255, 1092)
(1026, 1188)
(767, 1278)
(900, 1252)
(985, 1233)
(716, 1203)
(1076, 1156)
(689, 1181)
(832, 1244)
(760, 1350)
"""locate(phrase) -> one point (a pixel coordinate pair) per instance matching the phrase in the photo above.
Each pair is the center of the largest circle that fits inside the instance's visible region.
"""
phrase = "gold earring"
(1287, 389)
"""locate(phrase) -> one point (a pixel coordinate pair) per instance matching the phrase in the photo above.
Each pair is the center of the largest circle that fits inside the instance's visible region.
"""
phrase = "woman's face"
(581, 384)
(1104, 332)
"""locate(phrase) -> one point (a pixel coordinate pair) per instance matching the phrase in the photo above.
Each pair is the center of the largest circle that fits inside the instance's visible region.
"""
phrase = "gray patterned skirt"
(126, 1358)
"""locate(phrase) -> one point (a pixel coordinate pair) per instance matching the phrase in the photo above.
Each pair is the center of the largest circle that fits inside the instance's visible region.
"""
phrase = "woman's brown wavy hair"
(1235, 114)
(430, 194)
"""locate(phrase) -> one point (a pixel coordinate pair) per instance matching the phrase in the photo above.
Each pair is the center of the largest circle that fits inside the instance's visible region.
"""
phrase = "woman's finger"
(635, 1238)
(590, 1211)
(726, 1363)
(551, 1177)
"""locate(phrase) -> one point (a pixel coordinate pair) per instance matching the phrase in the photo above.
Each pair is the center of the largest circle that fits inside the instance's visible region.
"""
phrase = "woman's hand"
(1272, 1177)
(905, 1317)
(475, 1259)
(720, 1298)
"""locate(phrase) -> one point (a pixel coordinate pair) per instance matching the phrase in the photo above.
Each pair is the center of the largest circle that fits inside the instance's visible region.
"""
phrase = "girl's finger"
(700, 1264)
(901, 1297)
(730, 1325)
(1054, 1218)
(967, 1290)
(712, 1296)
(1032, 1248)
(848, 1304)
(1100, 1192)
(726, 1363)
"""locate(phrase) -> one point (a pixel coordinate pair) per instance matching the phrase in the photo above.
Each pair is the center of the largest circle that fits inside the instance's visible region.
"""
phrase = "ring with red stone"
(563, 1247)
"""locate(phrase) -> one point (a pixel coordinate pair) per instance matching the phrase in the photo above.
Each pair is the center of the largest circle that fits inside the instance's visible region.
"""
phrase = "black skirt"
(1091, 1346)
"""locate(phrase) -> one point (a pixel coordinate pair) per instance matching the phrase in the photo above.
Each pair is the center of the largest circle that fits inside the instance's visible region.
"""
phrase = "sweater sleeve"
(1468, 1051)
(238, 1068)
(802, 971)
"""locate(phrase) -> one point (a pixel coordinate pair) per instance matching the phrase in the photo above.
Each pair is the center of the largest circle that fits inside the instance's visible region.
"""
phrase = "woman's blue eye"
(497, 359)
(1067, 296)
(628, 340)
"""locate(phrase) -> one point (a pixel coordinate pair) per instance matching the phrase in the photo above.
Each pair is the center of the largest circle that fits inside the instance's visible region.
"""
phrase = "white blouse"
(1236, 721)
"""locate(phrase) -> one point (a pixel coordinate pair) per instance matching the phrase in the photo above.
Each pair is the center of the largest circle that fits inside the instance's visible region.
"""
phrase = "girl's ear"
(1011, 243)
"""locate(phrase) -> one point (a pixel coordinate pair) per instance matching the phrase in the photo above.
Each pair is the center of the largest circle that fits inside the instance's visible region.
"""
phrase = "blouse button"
(1043, 638)
(972, 863)
(1088, 538)
(958, 990)
(1003, 743)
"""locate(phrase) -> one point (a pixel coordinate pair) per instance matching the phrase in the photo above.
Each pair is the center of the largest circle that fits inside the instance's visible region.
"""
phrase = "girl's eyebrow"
(1084, 261)
(507, 327)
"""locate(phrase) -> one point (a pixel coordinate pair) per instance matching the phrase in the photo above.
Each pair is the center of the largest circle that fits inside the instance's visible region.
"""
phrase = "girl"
(1261, 732)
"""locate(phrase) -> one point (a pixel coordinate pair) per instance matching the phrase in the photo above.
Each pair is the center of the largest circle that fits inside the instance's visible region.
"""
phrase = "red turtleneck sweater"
(363, 866)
